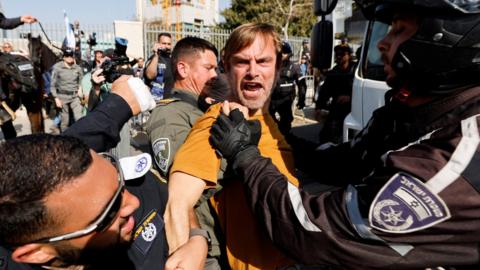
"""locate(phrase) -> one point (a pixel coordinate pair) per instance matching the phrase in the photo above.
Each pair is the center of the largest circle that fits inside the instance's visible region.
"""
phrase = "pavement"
(304, 124)
(22, 123)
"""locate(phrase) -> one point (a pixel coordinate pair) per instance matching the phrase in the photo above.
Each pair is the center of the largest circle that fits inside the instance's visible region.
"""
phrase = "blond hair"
(244, 36)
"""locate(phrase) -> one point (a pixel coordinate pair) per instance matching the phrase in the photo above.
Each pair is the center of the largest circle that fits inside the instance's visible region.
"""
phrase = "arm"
(100, 128)
(6, 23)
(184, 191)
(80, 76)
(3, 96)
(185, 256)
(53, 87)
(167, 128)
(377, 222)
(151, 67)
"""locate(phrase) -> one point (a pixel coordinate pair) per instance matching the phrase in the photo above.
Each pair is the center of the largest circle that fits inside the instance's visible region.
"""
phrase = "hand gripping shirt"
(248, 247)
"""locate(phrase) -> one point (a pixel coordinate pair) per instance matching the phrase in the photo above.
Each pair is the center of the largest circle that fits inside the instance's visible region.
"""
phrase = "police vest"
(20, 69)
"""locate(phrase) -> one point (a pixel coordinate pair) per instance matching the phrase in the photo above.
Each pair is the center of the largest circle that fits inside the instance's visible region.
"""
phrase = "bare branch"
(280, 6)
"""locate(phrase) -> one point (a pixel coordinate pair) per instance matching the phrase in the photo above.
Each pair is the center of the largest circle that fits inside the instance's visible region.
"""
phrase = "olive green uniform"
(167, 128)
(169, 125)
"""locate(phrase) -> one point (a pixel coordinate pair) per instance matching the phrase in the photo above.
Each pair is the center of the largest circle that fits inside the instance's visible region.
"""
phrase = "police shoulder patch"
(147, 231)
(161, 153)
(405, 204)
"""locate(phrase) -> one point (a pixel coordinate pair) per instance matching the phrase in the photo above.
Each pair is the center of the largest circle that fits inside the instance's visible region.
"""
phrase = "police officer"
(134, 237)
(284, 92)
(194, 62)
(407, 192)
(158, 69)
(66, 89)
(335, 95)
(17, 85)
(10, 23)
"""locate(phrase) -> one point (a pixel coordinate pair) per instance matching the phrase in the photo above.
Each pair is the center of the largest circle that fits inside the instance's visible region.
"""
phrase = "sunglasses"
(108, 215)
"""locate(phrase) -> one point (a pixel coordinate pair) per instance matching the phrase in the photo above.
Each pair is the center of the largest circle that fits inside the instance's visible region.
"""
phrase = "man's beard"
(90, 256)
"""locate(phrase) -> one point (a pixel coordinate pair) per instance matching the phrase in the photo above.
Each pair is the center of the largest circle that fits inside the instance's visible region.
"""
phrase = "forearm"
(10, 23)
(53, 85)
(184, 192)
(290, 223)
(304, 152)
(151, 69)
(177, 224)
(192, 254)
(100, 129)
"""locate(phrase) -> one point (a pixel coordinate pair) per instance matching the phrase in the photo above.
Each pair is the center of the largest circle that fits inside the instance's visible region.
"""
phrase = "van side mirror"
(324, 7)
(321, 43)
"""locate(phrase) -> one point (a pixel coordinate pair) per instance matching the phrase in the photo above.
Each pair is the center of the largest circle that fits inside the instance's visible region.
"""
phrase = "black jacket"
(149, 249)
(407, 192)
(7, 23)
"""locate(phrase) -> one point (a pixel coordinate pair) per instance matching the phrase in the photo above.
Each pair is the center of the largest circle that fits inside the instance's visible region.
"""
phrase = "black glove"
(235, 138)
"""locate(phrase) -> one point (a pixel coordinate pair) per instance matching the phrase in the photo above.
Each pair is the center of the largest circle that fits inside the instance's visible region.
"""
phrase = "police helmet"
(444, 53)
(68, 52)
(286, 48)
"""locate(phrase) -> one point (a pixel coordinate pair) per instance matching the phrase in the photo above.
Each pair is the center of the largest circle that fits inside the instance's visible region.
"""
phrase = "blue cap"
(121, 41)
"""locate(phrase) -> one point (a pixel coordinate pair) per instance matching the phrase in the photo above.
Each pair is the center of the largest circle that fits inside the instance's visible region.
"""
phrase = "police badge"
(404, 205)
(161, 152)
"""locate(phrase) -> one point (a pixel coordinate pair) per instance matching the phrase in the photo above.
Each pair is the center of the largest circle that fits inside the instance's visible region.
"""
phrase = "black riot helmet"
(286, 48)
(444, 54)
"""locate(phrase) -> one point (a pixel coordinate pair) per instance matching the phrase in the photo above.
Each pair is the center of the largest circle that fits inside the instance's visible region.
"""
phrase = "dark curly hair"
(31, 167)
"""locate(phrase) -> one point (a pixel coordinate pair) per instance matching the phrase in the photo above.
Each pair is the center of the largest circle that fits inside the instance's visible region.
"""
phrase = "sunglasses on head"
(106, 218)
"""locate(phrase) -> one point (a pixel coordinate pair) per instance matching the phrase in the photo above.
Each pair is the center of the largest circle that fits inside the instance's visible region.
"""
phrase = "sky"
(86, 11)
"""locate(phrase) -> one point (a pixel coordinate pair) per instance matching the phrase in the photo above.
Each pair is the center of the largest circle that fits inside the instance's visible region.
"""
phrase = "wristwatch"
(201, 232)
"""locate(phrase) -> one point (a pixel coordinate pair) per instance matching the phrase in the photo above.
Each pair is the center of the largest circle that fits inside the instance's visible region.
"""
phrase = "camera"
(92, 39)
(114, 68)
(163, 52)
(118, 64)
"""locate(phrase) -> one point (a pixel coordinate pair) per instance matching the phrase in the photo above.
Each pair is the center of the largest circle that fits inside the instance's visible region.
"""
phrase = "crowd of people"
(219, 187)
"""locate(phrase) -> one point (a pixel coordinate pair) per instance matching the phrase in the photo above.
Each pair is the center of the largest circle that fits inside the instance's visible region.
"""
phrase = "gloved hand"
(235, 138)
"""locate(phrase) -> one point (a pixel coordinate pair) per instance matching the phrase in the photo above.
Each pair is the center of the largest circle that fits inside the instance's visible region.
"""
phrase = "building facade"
(183, 13)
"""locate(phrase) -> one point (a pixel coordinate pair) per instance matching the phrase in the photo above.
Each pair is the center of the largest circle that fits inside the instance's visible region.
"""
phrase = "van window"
(373, 66)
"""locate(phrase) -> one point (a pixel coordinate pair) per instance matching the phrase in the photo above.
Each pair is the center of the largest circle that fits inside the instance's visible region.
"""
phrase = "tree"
(290, 17)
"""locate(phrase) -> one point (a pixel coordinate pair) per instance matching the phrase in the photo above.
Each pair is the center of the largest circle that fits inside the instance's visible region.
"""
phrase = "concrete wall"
(133, 32)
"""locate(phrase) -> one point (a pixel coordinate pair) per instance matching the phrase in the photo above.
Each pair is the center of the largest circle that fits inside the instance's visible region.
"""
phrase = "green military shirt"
(169, 125)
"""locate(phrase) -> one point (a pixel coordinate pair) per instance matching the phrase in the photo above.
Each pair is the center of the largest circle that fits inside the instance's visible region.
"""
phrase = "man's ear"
(34, 253)
(183, 69)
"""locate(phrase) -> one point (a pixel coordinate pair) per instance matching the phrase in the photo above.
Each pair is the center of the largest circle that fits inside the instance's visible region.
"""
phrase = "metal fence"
(56, 33)
(216, 36)
(105, 36)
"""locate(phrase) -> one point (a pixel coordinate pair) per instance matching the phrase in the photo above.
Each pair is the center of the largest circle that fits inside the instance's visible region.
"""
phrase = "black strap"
(63, 92)
(472, 172)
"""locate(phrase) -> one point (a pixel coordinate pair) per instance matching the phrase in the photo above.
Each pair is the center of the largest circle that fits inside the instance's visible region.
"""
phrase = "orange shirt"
(248, 247)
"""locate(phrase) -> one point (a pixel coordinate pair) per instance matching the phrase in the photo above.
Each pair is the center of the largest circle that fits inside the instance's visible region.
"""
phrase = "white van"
(369, 85)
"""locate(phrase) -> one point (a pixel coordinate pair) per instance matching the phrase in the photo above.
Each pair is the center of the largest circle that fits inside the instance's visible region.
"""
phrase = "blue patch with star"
(147, 232)
(404, 205)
